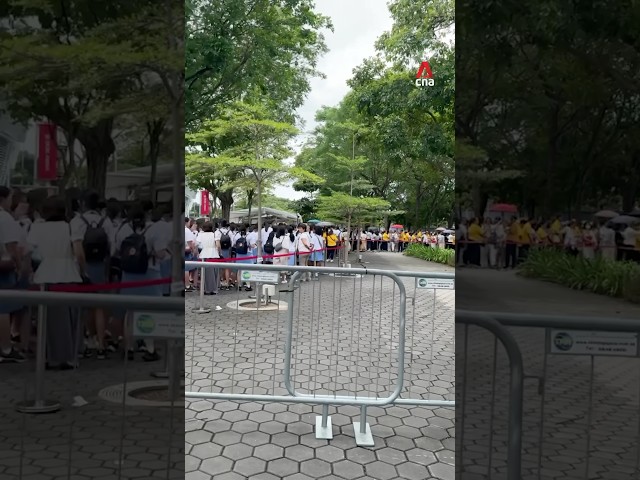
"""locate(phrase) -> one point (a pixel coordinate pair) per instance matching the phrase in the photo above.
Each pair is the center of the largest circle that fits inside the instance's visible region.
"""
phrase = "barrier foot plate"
(363, 439)
(201, 310)
(44, 406)
(160, 374)
(323, 433)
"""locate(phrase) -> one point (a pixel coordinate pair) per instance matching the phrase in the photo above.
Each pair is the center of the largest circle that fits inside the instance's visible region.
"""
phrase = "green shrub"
(437, 255)
(606, 277)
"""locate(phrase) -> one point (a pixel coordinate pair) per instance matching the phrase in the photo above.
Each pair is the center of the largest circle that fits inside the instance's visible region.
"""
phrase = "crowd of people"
(77, 239)
(283, 244)
(498, 243)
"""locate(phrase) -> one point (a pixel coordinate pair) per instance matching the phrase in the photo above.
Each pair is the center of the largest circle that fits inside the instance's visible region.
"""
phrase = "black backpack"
(134, 256)
(225, 240)
(241, 246)
(95, 242)
(268, 247)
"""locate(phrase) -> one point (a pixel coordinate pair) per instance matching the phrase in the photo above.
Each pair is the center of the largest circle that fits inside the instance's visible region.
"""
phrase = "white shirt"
(10, 231)
(53, 243)
(317, 241)
(300, 239)
(287, 244)
(153, 237)
(252, 239)
(188, 237)
(629, 237)
(207, 241)
(607, 237)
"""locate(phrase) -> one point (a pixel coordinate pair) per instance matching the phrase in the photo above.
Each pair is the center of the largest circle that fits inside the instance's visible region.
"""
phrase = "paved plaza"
(345, 340)
(97, 440)
(581, 418)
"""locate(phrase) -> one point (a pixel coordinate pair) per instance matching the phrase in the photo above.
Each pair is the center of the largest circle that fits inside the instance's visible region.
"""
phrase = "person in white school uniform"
(96, 263)
(252, 240)
(317, 257)
(157, 244)
(303, 247)
(10, 235)
(60, 261)
(209, 245)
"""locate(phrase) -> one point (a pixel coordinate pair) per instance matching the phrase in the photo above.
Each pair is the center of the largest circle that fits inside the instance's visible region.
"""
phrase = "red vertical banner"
(205, 205)
(47, 152)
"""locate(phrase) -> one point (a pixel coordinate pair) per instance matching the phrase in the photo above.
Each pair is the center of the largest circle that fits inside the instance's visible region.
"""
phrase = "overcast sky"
(356, 26)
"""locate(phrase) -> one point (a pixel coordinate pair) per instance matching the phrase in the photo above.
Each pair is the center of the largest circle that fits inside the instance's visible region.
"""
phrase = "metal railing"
(340, 339)
(533, 344)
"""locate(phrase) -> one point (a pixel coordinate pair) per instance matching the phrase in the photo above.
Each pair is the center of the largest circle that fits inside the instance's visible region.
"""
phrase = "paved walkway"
(345, 340)
(581, 416)
(99, 440)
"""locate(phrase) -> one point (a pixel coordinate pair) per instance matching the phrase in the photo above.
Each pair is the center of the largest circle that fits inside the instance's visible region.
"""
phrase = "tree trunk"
(226, 202)
(99, 147)
(250, 195)
(154, 129)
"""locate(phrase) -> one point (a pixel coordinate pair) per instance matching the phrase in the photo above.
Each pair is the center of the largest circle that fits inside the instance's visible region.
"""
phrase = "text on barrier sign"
(436, 283)
(158, 325)
(585, 342)
(260, 276)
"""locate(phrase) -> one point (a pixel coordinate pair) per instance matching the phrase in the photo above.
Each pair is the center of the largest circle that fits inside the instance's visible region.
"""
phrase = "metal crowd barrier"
(339, 338)
(536, 346)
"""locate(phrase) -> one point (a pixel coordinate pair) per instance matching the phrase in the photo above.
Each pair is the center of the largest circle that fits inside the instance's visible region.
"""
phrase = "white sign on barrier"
(260, 276)
(436, 283)
(586, 342)
(158, 325)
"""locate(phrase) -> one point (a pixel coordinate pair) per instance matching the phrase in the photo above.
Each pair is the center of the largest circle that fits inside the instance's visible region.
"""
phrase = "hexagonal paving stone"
(421, 456)
(381, 471)
(282, 467)
(348, 469)
(250, 466)
(299, 453)
(269, 452)
(237, 451)
(206, 450)
(315, 468)
(215, 466)
(412, 470)
(285, 439)
(442, 471)
(391, 456)
(255, 438)
(227, 438)
(198, 437)
(330, 453)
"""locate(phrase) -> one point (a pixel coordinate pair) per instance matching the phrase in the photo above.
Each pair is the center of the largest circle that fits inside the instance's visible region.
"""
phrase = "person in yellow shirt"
(385, 241)
(331, 242)
(541, 233)
(513, 238)
(476, 240)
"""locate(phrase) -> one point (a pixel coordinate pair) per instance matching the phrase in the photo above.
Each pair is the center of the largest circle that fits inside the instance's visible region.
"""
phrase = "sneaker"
(101, 354)
(14, 356)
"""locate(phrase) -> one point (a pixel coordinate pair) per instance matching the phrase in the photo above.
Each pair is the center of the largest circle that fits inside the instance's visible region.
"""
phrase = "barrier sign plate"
(586, 342)
(260, 276)
(437, 283)
(158, 325)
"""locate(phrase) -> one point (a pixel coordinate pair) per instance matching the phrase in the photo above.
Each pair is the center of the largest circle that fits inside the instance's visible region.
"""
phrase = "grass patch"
(437, 255)
(605, 277)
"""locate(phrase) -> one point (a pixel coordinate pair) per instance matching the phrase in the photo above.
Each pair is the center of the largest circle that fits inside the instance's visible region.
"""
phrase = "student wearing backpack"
(223, 237)
(141, 250)
(243, 251)
(95, 230)
(269, 247)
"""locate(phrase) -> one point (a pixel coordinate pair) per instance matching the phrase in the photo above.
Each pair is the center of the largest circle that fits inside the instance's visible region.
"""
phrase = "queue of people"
(397, 241)
(76, 239)
(282, 244)
(498, 243)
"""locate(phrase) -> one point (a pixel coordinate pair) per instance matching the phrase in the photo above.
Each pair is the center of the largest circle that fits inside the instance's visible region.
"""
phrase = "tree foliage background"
(548, 118)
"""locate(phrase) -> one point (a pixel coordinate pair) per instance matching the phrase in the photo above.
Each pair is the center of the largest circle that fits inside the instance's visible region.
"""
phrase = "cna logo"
(424, 77)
